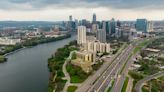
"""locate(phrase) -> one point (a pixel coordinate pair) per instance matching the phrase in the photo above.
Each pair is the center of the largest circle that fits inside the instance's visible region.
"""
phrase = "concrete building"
(97, 47)
(8, 41)
(84, 59)
(101, 35)
(127, 33)
(104, 25)
(95, 28)
(150, 26)
(81, 35)
(86, 56)
(91, 38)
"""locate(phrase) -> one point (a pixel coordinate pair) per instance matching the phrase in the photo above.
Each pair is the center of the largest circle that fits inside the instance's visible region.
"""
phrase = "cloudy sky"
(57, 10)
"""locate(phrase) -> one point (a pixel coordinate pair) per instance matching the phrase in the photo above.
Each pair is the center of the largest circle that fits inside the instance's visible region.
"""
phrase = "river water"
(26, 70)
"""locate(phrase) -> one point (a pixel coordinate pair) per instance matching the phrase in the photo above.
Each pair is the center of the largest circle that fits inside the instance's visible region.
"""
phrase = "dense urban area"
(106, 56)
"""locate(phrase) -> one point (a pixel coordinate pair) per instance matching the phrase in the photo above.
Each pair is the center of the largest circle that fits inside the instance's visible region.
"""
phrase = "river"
(26, 70)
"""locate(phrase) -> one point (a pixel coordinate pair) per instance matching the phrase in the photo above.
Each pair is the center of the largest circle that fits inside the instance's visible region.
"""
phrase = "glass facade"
(141, 25)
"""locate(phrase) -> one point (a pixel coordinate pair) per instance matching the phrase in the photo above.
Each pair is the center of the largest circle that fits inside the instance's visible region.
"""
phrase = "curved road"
(138, 86)
(67, 76)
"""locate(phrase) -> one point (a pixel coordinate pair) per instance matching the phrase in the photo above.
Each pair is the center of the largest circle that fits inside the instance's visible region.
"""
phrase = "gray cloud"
(118, 4)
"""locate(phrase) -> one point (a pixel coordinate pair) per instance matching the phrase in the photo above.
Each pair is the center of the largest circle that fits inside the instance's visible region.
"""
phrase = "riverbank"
(30, 43)
(3, 59)
(55, 64)
(26, 70)
(14, 51)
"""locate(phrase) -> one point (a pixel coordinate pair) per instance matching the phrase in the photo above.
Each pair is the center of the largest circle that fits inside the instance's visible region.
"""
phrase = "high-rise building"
(84, 22)
(150, 26)
(81, 38)
(101, 35)
(113, 26)
(76, 24)
(141, 25)
(70, 18)
(118, 23)
(71, 25)
(94, 18)
(106, 26)
(95, 27)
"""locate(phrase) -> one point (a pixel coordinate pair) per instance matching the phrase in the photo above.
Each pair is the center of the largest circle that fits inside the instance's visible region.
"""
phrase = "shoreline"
(16, 50)
(4, 59)
(56, 81)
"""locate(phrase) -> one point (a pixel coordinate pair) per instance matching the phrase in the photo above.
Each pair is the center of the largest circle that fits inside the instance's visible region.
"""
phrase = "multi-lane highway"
(101, 79)
(88, 84)
(103, 82)
(115, 69)
(120, 81)
(113, 72)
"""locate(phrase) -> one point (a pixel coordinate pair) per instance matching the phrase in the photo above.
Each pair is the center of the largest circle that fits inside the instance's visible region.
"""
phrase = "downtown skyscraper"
(113, 26)
(101, 35)
(94, 18)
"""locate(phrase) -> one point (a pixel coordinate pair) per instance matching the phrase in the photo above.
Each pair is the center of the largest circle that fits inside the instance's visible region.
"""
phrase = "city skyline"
(53, 10)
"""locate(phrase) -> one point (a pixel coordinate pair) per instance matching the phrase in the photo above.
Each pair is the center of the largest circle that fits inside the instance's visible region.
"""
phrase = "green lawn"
(71, 89)
(125, 85)
(76, 73)
(76, 79)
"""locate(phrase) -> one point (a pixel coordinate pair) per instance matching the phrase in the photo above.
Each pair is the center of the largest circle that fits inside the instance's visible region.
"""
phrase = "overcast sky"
(58, 10)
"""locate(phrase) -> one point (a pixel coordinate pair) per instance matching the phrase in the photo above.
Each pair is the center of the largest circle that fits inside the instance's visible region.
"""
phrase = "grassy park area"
(71, 89)
(55, 64)
(76, 73)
